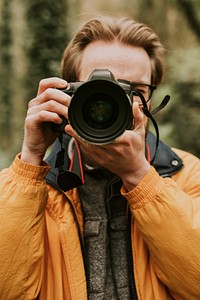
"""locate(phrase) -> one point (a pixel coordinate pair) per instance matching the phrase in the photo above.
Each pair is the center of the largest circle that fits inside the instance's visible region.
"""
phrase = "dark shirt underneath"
(106, 235)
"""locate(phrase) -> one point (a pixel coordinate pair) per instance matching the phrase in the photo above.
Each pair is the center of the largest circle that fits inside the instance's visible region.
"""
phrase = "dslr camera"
(100, 109)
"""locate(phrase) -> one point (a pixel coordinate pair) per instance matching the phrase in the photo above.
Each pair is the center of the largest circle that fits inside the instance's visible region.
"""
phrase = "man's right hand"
(47, 107)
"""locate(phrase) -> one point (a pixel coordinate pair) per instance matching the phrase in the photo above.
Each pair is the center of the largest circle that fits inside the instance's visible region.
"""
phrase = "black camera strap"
(149, 114)
(66, 179)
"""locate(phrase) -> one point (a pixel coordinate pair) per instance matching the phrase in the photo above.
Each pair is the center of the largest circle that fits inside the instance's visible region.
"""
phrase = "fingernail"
(63, 83)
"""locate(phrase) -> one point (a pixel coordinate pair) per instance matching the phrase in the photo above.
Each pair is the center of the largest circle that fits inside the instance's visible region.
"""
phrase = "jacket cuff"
(145, 191)
(28, 172)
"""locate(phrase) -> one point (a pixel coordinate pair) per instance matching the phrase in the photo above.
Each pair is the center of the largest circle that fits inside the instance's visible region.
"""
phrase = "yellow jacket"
(40, 248)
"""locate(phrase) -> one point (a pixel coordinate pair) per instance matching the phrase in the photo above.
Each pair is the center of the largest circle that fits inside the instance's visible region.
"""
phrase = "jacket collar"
(166, 163)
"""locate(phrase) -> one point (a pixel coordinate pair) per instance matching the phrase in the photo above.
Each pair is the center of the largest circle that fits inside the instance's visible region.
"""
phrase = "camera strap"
(66, 179)
(149, 115)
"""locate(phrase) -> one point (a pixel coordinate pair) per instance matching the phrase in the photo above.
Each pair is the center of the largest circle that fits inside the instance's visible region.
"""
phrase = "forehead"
(124, 61)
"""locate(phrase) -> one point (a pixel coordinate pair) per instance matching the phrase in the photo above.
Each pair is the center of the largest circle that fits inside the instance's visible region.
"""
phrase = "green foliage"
(179, 122)
(5, 71)
(184, 109)
(185, 114)
(190, 9)
(47, 36)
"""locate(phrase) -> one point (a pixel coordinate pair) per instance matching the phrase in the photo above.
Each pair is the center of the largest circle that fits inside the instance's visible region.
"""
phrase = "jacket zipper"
(132, 286)
(81, 237)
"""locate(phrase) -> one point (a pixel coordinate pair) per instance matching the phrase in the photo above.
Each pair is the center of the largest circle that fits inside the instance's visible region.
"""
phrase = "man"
(132, 229)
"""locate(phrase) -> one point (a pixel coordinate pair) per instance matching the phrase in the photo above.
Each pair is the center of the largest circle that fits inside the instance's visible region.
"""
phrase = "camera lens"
(100, 111)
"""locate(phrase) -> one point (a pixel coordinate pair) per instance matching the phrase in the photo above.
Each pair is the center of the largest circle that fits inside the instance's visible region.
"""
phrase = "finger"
(52, 82)
(35, 121)
(50, 106)
(139, 118)
(69, 130)
(51, 94)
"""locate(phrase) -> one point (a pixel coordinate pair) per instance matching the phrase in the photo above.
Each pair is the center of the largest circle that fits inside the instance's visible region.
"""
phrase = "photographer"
(100, 220)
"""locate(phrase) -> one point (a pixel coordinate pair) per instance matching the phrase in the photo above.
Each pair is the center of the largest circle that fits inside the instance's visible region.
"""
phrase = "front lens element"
(100, 111)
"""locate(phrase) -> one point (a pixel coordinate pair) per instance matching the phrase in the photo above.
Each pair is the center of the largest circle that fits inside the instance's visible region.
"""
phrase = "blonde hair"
(125, 31)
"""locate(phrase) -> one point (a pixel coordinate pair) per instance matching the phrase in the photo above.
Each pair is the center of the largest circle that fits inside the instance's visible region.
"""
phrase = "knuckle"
(41, 115)
(42, 82)
(48, 93)
(31, 103)
(28, 122)
(51, 105)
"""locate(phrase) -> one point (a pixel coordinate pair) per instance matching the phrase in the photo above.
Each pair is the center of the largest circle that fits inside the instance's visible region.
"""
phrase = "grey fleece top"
(106, 235)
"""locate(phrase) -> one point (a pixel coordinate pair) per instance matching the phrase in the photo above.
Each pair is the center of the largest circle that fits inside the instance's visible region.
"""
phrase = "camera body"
(100, 109)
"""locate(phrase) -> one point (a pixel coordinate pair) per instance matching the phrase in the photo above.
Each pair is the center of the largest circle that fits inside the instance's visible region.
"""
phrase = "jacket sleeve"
(23, 195)
(167, 214)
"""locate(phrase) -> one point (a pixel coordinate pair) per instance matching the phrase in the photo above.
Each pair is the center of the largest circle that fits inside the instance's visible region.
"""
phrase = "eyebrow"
(135, 82)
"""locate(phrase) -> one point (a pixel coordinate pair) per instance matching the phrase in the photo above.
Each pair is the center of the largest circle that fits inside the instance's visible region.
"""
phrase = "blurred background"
(34, 33)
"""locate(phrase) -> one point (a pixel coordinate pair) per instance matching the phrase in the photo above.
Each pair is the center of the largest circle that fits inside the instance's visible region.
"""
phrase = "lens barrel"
(100, 111)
